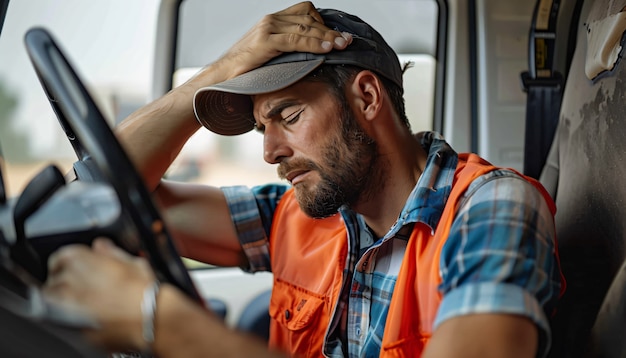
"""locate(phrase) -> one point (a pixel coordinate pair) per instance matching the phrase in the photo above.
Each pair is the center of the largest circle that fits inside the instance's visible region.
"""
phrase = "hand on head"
(299, 28)
(107, 284)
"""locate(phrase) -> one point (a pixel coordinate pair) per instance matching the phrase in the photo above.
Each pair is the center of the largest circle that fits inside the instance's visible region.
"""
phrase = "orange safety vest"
(308, 257)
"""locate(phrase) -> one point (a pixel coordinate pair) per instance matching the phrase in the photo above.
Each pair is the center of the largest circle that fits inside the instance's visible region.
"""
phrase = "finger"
(55, 283)
(303, 8)
(108, 248)
(295, 43)
(316, 15)
(306, 21)
(303, 36)
(64, 256)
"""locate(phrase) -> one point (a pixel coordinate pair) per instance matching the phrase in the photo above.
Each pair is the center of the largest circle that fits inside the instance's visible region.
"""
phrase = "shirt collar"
(427, 200)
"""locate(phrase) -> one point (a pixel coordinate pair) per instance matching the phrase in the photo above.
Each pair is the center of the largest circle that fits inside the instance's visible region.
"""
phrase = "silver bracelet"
(148, 311)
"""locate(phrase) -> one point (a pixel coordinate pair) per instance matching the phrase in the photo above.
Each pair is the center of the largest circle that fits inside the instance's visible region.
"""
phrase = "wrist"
(175, 323)
(166, 317)
(223, 69)
(148, 312)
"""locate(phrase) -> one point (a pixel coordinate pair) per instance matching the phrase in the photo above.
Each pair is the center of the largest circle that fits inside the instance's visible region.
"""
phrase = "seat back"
(590, 189)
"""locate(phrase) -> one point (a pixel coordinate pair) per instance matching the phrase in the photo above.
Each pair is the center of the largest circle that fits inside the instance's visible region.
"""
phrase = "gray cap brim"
(226, 108)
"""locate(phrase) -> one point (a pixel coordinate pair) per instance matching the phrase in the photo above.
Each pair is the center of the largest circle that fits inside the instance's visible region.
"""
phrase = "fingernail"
(326, 45)
(340, 41)
(347, 36)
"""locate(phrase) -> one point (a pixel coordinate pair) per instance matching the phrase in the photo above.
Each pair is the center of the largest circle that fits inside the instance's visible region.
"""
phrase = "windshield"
(111, 43)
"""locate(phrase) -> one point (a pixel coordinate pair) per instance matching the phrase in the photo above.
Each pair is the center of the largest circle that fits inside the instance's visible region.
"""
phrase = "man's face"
(319, 146)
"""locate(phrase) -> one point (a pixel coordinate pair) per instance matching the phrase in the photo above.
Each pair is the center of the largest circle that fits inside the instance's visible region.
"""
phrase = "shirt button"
(287, 315)
(358, 332)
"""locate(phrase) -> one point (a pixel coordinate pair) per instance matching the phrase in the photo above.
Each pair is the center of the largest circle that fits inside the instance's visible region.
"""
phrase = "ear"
(367, 92)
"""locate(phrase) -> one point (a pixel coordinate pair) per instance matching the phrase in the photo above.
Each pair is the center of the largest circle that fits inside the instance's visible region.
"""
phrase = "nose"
(275, 144)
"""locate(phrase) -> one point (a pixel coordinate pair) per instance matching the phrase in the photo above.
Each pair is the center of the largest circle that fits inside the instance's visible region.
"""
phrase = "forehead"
(303, 92)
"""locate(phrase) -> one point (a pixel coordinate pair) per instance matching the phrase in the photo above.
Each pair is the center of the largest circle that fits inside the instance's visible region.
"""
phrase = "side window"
(502, 56)
(207, 29)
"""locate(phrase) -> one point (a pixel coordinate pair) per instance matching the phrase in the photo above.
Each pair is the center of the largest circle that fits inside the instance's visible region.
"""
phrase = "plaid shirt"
(498, 257)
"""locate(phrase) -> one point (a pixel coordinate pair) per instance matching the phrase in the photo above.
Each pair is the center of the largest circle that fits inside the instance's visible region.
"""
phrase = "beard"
(349, 172)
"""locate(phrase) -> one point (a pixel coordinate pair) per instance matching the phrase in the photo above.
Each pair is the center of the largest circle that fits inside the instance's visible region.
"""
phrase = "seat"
(255, 316)
(586, 173)
(218, 307)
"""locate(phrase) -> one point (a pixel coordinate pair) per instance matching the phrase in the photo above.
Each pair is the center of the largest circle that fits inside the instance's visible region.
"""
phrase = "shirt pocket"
(298, 320)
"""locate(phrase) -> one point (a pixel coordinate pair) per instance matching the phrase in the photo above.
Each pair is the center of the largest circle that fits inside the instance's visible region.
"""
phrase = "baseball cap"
(226, 108)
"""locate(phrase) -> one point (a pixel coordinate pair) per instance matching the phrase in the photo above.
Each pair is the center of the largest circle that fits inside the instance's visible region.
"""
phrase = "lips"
(295, 176)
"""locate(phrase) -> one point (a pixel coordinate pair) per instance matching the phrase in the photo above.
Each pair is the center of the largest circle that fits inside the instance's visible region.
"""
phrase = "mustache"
(289, 165)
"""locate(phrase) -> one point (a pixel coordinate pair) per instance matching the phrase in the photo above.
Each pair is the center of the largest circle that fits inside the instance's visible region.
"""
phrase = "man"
(386, 244)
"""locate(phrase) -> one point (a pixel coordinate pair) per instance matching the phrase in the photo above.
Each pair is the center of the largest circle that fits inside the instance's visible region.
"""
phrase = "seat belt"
(543, 86)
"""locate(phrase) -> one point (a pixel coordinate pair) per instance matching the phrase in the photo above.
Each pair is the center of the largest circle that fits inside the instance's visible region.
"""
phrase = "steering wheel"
(142, 230)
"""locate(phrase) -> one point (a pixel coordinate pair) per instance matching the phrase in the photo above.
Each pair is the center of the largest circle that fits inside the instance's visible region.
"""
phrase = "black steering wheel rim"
(93, 139)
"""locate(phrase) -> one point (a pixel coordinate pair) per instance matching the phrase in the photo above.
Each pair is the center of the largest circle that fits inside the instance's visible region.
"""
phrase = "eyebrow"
(276, 110)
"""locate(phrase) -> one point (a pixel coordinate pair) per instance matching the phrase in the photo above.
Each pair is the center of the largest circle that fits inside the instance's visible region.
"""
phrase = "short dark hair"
(337, 76)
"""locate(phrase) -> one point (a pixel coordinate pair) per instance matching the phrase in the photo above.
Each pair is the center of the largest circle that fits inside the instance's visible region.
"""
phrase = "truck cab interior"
(585, 174)
(537, 86)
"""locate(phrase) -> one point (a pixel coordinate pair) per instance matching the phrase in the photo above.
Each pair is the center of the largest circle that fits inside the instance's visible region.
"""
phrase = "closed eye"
(292, 118)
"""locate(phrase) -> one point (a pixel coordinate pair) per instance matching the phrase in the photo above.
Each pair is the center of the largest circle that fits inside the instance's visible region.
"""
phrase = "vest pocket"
(296, 314)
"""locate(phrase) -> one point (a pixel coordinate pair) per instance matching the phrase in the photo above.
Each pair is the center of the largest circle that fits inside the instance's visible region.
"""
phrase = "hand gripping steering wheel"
(142, 229)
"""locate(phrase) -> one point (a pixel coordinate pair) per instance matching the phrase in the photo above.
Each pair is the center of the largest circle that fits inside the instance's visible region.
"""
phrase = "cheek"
(310, 138)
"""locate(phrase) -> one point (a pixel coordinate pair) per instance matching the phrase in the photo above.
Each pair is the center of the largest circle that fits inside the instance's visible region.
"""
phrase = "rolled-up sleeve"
(500, 255)
(252, 211)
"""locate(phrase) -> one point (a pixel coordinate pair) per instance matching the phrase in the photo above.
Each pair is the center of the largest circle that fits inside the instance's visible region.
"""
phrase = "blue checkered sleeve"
(499, 257)
(252, 210)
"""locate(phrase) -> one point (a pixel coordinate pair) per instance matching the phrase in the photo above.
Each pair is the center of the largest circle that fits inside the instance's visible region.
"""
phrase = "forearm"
(154, 134)
(484, 336)
(183, 329)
